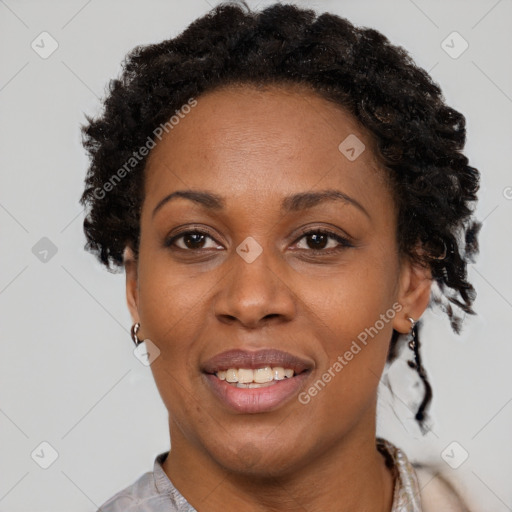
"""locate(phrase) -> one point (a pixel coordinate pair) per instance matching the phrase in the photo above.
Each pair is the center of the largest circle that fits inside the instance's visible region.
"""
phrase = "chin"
(257, 461)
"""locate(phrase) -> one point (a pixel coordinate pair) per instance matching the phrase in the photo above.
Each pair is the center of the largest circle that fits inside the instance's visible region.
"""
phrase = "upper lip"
(238, 358)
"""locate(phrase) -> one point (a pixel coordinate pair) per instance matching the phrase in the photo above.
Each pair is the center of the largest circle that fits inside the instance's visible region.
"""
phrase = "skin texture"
(255, 146)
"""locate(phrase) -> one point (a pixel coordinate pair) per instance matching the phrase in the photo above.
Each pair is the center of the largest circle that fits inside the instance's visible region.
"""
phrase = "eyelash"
(344, 242)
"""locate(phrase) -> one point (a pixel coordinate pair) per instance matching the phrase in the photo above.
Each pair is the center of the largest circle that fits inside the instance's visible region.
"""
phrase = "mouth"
(252, 382)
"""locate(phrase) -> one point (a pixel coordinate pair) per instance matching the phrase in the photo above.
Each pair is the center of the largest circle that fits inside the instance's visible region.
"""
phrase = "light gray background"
(67, 372)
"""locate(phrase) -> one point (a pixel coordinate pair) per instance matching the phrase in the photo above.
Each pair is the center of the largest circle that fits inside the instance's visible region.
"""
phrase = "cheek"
(352, 300)
(172, 309)
(170, 301)
(353, 313)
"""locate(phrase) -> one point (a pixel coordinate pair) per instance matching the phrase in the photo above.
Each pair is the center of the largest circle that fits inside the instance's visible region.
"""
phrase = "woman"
(283, 191)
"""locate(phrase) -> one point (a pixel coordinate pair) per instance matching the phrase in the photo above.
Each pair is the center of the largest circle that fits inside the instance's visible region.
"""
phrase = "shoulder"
(420, 488)
(437, 493)
(133, 497)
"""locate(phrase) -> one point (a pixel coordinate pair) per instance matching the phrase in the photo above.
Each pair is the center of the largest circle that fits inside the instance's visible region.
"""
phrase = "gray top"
(154, 492)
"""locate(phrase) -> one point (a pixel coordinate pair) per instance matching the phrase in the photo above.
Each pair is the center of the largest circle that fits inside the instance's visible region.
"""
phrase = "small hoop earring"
(134, 330)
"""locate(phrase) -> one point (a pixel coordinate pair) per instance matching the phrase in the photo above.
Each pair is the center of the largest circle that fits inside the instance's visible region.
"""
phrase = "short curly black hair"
(418, 137)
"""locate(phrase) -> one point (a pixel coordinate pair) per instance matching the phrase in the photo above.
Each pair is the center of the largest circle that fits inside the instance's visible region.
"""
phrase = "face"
(281, 254)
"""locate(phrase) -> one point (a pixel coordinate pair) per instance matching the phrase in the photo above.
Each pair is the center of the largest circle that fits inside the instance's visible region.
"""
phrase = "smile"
(258, 378)
(255, 381)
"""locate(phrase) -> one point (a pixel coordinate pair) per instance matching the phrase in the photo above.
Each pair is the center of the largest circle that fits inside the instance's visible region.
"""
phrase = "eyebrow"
(292, 203)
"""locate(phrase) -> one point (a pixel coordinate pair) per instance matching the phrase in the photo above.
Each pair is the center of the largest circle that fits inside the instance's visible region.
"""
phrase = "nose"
(255, 293)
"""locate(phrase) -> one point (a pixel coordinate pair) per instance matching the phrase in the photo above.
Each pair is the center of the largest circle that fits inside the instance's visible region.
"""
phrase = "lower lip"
(253, 400)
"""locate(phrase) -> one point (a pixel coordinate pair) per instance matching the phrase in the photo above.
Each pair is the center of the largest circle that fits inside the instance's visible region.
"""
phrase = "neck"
(348, 475)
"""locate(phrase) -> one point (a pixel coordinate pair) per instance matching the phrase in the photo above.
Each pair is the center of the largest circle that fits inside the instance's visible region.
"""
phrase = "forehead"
(248, 138)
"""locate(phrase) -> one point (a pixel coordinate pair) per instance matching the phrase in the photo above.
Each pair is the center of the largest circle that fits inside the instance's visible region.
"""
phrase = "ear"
(132, 283)
(415, 284)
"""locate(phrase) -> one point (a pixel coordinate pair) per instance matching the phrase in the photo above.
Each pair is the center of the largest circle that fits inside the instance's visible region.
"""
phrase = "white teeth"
(278, 373)
(261, 376)
(245, 375)
(231, 375)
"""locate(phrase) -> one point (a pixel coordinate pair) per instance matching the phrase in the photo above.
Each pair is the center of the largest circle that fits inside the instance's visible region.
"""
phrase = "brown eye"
(191, 241)
(318, 240)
